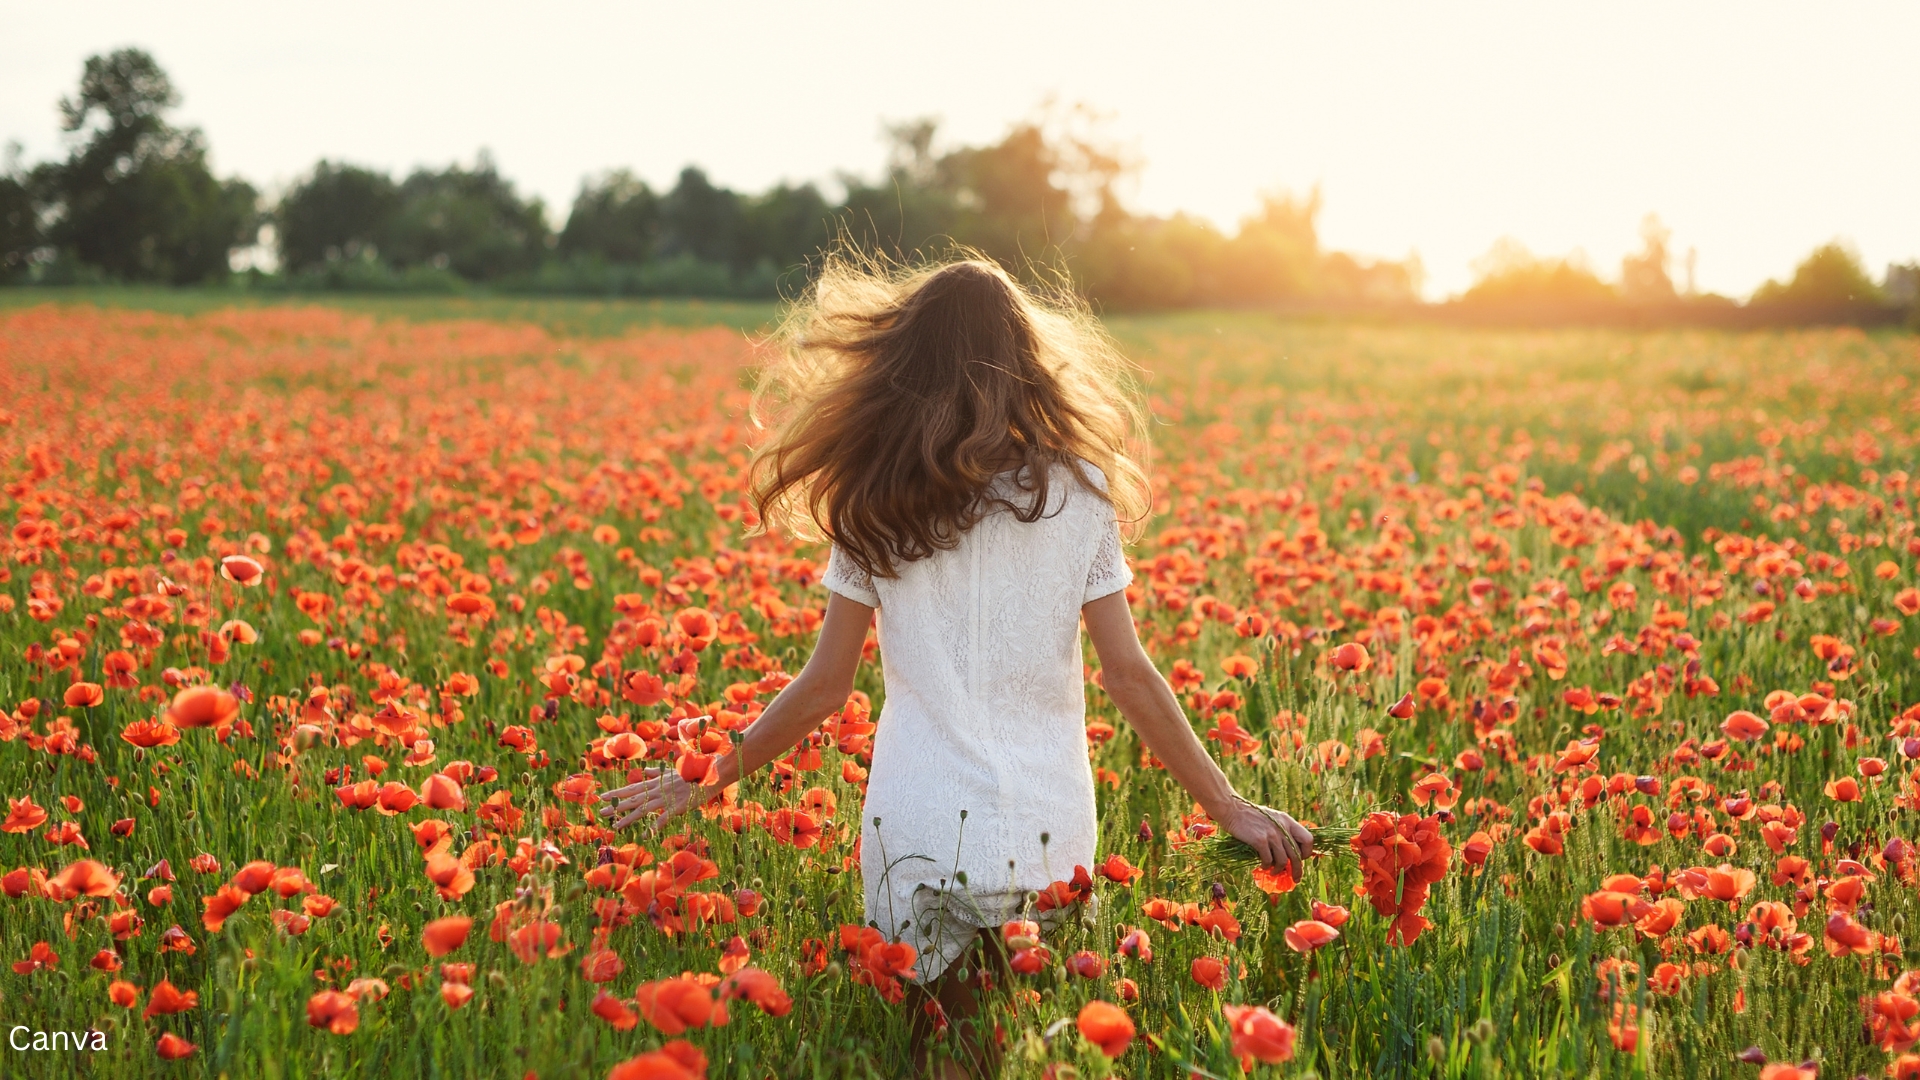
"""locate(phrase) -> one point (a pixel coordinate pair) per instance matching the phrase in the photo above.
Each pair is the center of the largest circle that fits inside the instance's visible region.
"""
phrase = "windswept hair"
(896, 393)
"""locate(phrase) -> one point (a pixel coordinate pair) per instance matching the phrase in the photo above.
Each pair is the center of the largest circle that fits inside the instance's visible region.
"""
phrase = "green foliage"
(1510, 274)
(340, 213)
(1829, 285)
(345, 226)
(137, 198)
(616, 218)
(568, 315)
(136, 201)
(469, 221)
(19, 227)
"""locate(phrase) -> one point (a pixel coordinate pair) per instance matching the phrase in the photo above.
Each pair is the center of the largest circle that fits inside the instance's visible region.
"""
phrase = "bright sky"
(1756, 130)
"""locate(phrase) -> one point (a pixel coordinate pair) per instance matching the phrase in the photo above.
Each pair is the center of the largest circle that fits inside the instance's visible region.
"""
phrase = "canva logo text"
(22, 1037)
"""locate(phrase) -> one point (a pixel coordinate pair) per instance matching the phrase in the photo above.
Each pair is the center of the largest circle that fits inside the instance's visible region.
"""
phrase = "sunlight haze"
(1755, 131)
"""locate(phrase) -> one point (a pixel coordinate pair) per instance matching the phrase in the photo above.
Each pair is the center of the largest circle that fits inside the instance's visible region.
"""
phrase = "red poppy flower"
(1106, 1026)
(333, 1010)
(677, 1004)
(442, 936)
(1258, 1035)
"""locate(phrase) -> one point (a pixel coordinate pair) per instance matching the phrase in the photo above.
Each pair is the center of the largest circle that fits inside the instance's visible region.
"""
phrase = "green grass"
(563, 316)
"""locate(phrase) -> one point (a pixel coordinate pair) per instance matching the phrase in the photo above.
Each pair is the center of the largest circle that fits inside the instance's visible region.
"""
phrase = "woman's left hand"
(661, 791)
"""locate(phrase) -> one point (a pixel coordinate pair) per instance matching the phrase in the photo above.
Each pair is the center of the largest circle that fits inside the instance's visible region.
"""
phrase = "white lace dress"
(985, 712)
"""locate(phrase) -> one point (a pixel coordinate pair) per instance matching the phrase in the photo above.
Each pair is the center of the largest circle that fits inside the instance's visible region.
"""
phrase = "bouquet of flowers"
(1401, 857)
(1224, 853)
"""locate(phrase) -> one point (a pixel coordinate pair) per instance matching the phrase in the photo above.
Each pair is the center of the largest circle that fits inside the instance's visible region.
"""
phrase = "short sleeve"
(1109, 572)
(845, 577)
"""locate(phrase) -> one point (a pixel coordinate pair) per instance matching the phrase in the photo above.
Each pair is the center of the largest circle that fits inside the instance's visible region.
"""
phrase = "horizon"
(1692, 137)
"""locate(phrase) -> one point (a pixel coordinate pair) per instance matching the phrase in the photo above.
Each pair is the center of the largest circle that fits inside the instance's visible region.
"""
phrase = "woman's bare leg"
(972, 1052)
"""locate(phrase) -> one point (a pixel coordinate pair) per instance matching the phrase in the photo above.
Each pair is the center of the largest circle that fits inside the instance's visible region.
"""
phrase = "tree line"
(137, 201)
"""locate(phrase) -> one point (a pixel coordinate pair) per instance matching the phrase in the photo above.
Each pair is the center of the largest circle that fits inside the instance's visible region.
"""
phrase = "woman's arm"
(820, 690)
(1149, 704)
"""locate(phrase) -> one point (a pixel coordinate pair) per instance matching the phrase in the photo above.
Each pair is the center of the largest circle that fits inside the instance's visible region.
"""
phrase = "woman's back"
(896, 396)
(984, 711)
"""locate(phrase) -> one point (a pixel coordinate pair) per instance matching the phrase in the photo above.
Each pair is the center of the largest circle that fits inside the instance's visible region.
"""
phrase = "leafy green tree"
(338, 212)
(1008, 202)
(701, 220)
(469, 221)
(136, 198)
(615, 218)
(783, 227)
(19, 224)
(1508, 275)
(1830, 279)
(1276, 255)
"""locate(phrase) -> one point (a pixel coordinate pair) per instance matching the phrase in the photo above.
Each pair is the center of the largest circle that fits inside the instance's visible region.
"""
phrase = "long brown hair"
(896, 394)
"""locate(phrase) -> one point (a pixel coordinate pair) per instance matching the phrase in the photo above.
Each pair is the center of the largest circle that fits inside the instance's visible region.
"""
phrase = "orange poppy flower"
(1308, 935)
(1400, 858)
(255, 877)
(442, 792)
(1107, 1026)
(166, 999)
(759, 988)
(1743, 726)
(1116, 868)
(601, 965)
(333, 1010)
(442, 936)
(1844, 936)
(451, 876)
(677, 1004)
(1209, 972)
(677, 1060)
(221, 906)
(202, 706)
(1258, 1035)
(242, 569)
(1350, 657)
(83, 877)
(23, 815)
(83, 695)
(613, 1010)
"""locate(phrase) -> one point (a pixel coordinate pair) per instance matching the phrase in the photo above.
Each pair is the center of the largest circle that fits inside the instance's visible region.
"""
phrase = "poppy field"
(1593, 653)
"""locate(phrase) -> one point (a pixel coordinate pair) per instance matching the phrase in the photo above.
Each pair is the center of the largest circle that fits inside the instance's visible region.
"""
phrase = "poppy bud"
(1752, 1055)
(1146, 832)
(1828, 831)
(1218, 892)
(1910, 749)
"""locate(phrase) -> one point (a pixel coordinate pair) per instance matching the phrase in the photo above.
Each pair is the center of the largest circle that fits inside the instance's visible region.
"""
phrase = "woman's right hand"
(1272, 834)
(659, 791)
